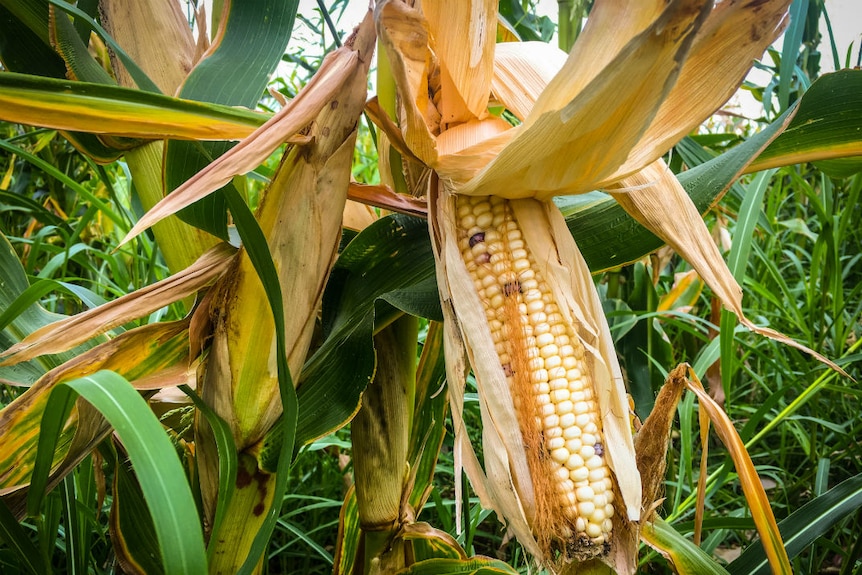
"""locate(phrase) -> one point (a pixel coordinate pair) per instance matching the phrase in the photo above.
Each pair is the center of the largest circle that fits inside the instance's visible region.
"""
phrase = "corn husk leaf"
(404, 37)
(506, 485)
(734, 35)
(463, 37)
(69, 332)
(563, 146)
(521, 72)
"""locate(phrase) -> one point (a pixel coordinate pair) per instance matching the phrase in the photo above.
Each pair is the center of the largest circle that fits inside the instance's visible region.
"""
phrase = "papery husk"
(506, 484)
(585, 123)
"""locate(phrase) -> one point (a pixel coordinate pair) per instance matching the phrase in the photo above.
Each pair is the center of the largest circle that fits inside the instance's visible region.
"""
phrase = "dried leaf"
(69, 332)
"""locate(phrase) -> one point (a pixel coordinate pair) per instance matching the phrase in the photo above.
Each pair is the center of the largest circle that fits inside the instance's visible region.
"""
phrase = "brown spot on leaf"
(243, 478)
(333, 104)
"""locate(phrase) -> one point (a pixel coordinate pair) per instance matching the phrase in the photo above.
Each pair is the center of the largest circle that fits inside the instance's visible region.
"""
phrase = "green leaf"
(473, 566)
(161, 475)
(104, 109)
(392, 254)
(254, 38)
(802, 527)
(19, 543)
(686, 557)
(24, 45)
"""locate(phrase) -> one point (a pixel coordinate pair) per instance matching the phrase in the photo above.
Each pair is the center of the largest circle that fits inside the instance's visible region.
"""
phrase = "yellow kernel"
(607, 524)
(566, 350)
(586, 508)
(497, 301)
(564, 339)
(542, 329)
(571, 363)
(562, 473)
(528, 284)
(536, 317)
(527, 275)
(557, 329)
(558, 373)
(536, 363)
(484, 220)
(534, 297)
(516, 244)
(520, 265)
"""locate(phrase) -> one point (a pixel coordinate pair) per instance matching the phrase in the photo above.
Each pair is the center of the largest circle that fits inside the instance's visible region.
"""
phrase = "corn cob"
(547, 372)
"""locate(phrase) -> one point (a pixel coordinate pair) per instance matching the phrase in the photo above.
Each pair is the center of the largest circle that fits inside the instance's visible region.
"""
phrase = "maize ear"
(544, 364)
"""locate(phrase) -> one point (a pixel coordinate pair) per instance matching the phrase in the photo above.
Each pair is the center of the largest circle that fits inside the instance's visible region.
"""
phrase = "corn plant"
(491, 154)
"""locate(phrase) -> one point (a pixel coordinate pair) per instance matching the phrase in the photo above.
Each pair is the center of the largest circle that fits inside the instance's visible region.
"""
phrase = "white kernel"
(581, 524)
(552, 420)
(484, 220)
(588, 438)
(520, 265)
(468, 221)
(582, 408)
(586, 508)
(574, 446)
(548, 409)
(591, 427)
(549, 351)
(570, 430)
(571, 364)
(554, 361)
(596, 475)
(562, 473)
(593, 530)
(584, 494)
(553, 432)
(533, 296)
(577, 396)
(600, 502)
(566, 350)
(536, 317)
(497, 301)
(609, 484)
(557, 373)
(555, 443)
(517, 244)
(490, 281)
(564, 339)
(565, 406)
(579, 474)
(559, 395)
(587, 451)
(557, 329)
(536, 363)
(598, 486)
(558, 383)
(581, 420)
(575, 461)
(560, 455)
(527, 275)
(518, 253)
(539, 388)
(543, 399)
(539, 376)
(544, 339)
(541, 329)
(607, 524)
(609, 495)
(594, 462)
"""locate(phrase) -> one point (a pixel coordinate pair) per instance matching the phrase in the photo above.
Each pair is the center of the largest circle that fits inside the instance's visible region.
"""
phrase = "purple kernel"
(477, 239)
(599, 449)
(483, 258)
